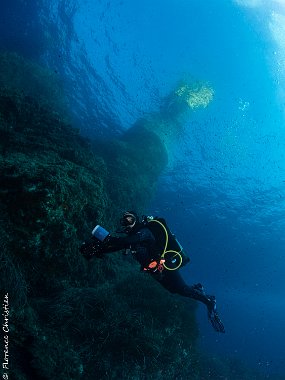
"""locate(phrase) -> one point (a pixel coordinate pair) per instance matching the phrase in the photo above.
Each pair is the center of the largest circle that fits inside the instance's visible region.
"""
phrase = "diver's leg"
(173, 282)
(197, 292)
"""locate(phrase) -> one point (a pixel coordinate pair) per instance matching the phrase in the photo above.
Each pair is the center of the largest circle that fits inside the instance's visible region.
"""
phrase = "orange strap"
(155, 265)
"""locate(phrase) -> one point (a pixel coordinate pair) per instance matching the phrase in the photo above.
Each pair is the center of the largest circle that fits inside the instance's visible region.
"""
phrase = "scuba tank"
(168, 247)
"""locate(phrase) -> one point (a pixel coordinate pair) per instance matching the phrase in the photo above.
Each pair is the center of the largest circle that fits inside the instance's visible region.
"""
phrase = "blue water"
(223, 192)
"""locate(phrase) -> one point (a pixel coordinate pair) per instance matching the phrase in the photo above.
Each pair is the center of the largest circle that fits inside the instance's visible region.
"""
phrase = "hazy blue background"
(223, 192)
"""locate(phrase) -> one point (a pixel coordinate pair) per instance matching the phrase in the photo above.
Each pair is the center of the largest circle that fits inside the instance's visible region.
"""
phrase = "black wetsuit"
(145, 249)
(142, 243)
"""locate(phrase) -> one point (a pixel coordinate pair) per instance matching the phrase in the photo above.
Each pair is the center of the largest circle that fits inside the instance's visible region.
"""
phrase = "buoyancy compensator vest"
(170, 253)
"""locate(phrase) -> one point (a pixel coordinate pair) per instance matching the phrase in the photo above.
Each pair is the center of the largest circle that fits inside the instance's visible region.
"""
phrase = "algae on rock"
(54, 187)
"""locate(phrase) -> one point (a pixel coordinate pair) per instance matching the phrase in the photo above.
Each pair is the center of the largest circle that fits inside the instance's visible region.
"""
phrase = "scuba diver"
(158, 252)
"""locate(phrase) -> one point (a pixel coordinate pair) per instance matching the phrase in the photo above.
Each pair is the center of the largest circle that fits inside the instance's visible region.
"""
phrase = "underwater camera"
(94, 246)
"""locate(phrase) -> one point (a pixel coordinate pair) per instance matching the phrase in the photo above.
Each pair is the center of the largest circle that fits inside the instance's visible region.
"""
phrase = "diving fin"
(214, 317)
(216, 322)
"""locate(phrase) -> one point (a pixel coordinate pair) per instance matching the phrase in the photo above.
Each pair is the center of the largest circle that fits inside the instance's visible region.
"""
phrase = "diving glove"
(214, 317)
(92, 247)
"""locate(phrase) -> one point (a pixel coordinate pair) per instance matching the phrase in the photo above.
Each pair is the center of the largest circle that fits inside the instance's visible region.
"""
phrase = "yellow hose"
(165, 251)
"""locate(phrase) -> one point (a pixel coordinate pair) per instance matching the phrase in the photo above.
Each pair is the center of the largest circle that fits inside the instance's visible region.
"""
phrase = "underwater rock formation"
(25, 76)
(138, 157)
(70, 319)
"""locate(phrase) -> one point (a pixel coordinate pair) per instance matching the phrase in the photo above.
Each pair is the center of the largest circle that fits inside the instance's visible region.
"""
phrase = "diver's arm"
(95, 247)
(114, 244)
